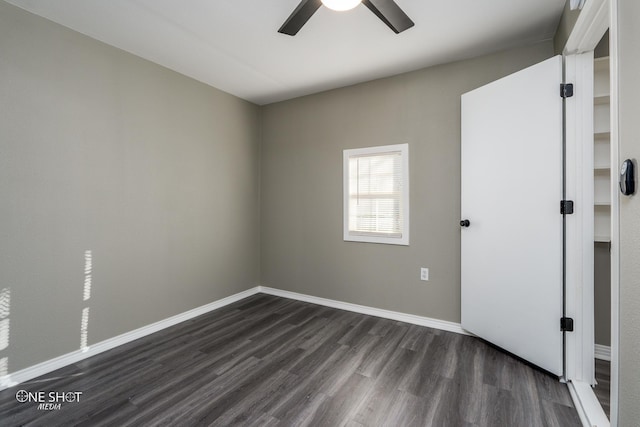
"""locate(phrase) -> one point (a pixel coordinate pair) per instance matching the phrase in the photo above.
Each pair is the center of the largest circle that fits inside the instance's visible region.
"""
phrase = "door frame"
(595, 18)
(579, 228)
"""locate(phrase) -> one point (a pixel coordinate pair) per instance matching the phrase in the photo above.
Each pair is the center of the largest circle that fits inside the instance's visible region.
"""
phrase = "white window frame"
(403, 238)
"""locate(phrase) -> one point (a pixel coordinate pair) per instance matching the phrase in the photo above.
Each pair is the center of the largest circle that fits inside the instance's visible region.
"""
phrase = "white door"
(511, 192)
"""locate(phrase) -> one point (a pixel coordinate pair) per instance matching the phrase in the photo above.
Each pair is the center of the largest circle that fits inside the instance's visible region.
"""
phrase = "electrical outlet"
(424, 273)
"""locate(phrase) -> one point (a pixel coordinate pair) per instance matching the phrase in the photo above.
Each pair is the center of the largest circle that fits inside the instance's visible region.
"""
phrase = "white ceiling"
(234, 44)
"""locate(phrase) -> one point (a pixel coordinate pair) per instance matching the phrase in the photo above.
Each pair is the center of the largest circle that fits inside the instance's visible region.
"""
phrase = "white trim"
(67, 359)
(371, 311)
(576, 402)
(403, 237)
(580, 226)
(591, 25)
(615, 210)
(589, 410)
(51, 365)
(602, 352)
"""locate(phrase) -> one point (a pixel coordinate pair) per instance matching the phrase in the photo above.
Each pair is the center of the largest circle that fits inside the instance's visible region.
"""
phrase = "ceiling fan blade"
(390, 13)
(300, 16)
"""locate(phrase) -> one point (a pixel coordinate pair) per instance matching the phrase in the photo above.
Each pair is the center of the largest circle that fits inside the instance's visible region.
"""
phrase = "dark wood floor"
(270, 361)
(602, 390)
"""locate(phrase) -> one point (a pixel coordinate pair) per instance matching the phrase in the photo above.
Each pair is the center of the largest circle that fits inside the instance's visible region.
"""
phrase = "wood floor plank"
(529, 406)
(375, 360)
(348, 365)
(382, 407)
(343, 405)
(308, 390)
(230, 395)
(270, 361)
(305, 410)
(191, 396)
(396, 371)
(425, 374)
(498, 407)
(359, 330)
(255, 403)
(499, 368)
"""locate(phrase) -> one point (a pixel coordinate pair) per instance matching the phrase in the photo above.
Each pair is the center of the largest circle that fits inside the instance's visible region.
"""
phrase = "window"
(376, 194)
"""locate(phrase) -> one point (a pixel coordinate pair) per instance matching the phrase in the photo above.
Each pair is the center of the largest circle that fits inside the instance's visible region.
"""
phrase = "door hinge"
(566, 324)
(566, 90)
(566, 207)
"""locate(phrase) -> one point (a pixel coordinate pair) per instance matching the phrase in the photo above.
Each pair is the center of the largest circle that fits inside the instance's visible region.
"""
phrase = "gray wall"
(602, 293)
(103, 151)
(602, 49)
(565, 26)
(301, 178)
(629, 64)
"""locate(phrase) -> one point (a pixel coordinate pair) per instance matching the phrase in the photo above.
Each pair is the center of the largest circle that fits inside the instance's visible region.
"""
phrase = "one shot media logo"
(48, 400)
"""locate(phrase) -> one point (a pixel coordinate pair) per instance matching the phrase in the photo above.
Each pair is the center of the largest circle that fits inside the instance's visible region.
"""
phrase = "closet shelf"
(601, 152)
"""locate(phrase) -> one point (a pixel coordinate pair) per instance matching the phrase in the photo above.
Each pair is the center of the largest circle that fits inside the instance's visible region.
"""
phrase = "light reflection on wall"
(5, 311)
(86, 296)
(84, 329)
(88, 267)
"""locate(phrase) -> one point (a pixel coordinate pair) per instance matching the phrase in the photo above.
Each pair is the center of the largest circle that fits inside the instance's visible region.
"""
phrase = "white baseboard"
(589, 410)
(51, 365)
(67, 359)
(602, 352)
(377, 312)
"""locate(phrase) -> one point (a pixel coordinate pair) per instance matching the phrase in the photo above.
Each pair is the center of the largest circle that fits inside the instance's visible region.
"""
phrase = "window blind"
(375, 194)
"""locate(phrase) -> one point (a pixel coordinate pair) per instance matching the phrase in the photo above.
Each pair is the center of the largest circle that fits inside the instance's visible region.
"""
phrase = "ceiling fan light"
(341, 5)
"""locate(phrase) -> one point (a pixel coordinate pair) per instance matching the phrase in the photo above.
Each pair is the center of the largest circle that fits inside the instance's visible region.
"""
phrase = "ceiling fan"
(387, 10)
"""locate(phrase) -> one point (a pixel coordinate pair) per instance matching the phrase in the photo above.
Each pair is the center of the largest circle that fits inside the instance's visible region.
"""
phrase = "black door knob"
(465, 223)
